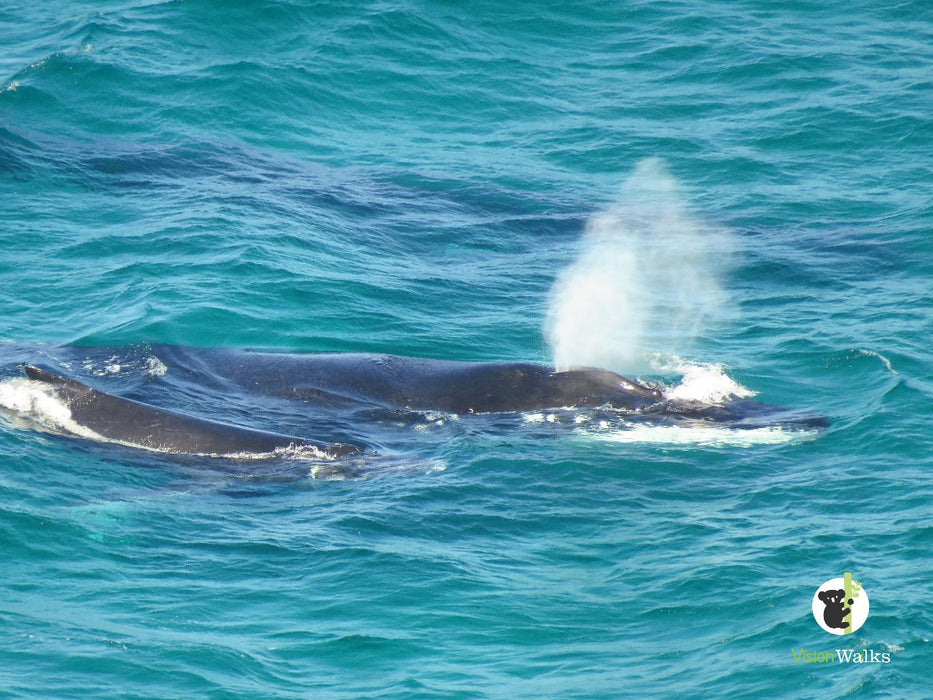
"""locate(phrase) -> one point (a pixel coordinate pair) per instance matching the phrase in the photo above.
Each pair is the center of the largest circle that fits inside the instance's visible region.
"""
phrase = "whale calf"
(140, 425)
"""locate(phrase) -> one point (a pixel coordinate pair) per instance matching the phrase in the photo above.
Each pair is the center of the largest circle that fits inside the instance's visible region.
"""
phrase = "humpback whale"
(452, 386)
(411, 383)
(141, 425)
(319, 386)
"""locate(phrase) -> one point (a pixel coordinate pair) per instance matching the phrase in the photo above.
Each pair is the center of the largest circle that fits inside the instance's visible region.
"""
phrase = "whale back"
(412, 383)
(141, 425)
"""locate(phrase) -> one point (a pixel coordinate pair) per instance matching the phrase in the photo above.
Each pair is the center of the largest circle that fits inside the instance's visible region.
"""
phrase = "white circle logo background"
(859, 606)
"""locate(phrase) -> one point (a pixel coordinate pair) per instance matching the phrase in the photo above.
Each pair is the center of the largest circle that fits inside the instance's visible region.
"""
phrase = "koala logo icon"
(835, 609)
(840, 606)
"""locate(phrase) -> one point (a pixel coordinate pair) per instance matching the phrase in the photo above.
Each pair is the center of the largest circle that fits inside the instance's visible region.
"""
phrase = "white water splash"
(646, 279)
(151, 366)
(375, 465)
(35, 405)
(884, 360)
(155, 367)
(540, 418)
(700, 382)
(110, 366)
(699, 436)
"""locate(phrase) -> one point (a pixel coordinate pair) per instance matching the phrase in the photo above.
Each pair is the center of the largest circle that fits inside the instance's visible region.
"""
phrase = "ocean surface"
(721, 199)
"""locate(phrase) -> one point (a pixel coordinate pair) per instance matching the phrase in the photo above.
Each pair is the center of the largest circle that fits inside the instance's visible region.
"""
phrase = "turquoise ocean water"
(712, 196)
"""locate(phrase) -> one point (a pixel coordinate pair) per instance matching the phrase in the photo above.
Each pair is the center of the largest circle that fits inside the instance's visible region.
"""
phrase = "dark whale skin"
(413, 383)
(142, 425)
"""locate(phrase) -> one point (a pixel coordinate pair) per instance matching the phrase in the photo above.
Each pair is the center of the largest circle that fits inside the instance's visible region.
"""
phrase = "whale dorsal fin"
(40, 374)
(43, 375)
